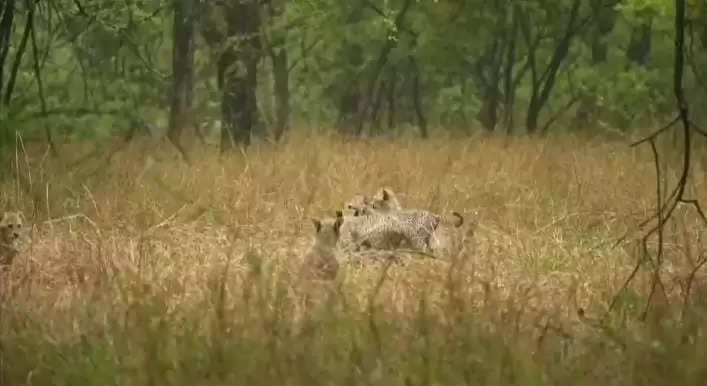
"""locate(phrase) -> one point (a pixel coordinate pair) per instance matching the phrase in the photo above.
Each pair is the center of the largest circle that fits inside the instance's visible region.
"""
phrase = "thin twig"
(657, 132)
(688, 289)
(697, 207)
(698, 129)
(659, 212)
(665, 208)
(40, 87)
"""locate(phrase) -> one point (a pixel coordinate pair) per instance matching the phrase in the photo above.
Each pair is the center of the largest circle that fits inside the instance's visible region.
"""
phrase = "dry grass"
(154, 272)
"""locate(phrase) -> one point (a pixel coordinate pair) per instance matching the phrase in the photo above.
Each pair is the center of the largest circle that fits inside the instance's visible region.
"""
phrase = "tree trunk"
(238, 105)
(531, 117)
(639, 48)
(488, 77)
(543, 86)
(509, 86)
(368, 97)
(488, 115)
(183, 72)
(417, 97)
(604, 21)
(19, 54)
(391, 98)
(40, 89)
(281, 74)
(277, 51)
(349, 106)
(375, 121)
(238, 69)
(8, 14)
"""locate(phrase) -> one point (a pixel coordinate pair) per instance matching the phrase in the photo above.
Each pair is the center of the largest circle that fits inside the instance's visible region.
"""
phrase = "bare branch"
(665, 208)
(657, 132)
(305, 51)
(40, 87)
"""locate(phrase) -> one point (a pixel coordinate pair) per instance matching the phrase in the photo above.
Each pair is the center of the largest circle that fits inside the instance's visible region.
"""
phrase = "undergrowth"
(141, 270)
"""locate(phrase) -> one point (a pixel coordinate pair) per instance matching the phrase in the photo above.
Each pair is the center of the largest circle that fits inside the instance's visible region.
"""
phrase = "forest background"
(168, 156)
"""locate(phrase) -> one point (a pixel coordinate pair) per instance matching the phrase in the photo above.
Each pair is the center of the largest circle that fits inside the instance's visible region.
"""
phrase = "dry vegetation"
(154, 272)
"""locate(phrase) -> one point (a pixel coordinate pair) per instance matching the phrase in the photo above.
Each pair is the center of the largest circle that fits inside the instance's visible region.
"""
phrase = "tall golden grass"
(141, 269)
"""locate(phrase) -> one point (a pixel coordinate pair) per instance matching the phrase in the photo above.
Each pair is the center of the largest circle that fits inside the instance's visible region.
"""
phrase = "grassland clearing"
(143, 270)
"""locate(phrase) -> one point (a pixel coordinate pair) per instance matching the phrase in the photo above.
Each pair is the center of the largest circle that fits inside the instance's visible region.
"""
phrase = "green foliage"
(107, 65)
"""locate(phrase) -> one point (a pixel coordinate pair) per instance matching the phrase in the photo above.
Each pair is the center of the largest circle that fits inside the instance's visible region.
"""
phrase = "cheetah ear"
(337, 224)
(317, 225)
(386, 194)
(460, 219)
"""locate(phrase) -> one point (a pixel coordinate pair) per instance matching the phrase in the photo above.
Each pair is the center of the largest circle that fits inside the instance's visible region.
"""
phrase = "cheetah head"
(385, 200)
(327, 231)
(11, 227)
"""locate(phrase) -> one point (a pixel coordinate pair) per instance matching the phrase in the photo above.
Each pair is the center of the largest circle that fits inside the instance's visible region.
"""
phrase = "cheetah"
(419, 226)
(396, 255)
(385, 198)
(451, 239)
(373, 231)
(320, 261)
(354, 205)
(361, 231)
(10, 228)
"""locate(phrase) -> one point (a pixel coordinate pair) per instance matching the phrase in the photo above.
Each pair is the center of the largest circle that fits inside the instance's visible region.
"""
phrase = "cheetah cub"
(363, 232)
(419, 226)
(10, 232)
(320, 261)
(355, 205)
(384, 199)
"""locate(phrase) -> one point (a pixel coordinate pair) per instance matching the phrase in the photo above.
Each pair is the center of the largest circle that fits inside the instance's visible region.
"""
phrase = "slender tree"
(182, 71)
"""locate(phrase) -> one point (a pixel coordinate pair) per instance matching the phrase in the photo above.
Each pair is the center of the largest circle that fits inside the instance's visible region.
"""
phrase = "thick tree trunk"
(238, 69)
(7, 10)
(488, 77)
(183, 72)
(604, 21)
(279, 58)
(639, 48)
(238, 105)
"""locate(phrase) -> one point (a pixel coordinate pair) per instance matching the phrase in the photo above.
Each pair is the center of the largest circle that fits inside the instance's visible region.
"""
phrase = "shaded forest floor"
(140, 269)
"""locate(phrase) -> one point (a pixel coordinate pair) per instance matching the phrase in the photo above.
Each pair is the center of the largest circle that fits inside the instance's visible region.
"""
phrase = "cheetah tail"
(460, 219)
(455, 220)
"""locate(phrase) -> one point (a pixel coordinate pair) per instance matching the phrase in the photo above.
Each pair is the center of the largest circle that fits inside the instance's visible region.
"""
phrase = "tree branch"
(665, 207)
(40, 88)
(19, 54)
